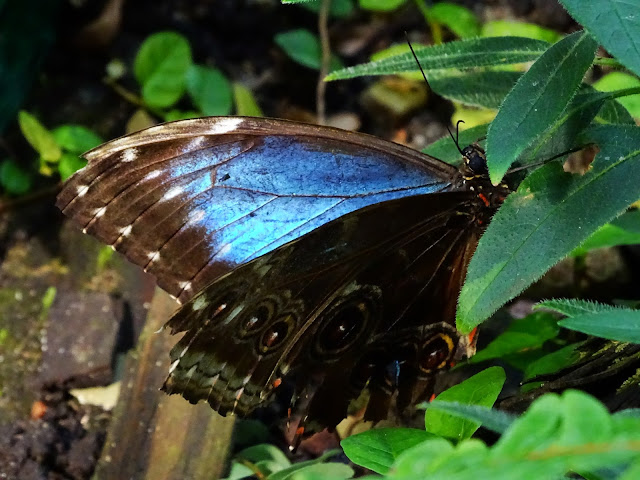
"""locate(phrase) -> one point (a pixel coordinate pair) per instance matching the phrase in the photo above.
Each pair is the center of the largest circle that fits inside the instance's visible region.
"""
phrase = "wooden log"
(156, 436)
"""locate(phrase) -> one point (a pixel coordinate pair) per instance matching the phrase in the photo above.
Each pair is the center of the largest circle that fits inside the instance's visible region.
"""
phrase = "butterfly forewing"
(191, 200)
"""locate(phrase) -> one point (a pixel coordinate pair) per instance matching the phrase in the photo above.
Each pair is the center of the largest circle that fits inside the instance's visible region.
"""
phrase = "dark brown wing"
(191, 200)
(367, 299)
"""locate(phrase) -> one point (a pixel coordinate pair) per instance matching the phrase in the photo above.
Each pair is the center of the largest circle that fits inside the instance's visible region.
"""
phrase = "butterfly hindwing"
(331, 312)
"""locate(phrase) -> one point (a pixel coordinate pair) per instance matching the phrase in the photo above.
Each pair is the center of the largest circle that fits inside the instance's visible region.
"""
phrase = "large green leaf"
(377, 449)
(477, 52)
(481, 389)
(572, 306)
(624, 230)
(537, 100)
(551, 213)
(622, 324)
(614, 23)
(606, 321)
(485, 89)
(560, 136)
(495, 420)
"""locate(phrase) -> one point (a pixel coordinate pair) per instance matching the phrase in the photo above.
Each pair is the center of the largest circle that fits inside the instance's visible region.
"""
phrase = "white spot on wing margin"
(129, 155)
(225, 125)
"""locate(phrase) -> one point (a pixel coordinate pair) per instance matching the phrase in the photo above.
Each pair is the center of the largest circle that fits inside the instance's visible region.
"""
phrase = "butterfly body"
(311, 259)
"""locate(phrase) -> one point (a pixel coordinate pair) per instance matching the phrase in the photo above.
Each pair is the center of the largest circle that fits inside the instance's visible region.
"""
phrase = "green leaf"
(337, 9)
(584, 418)
(238, 471)
(538, 98)
(418, 459)
(377, 449)
(69, 164)
(462, 54)
(398, 49)
(495, 420)
(303, 47)
(572, 307)
(39, 137)
(614, 23)
(628, 412)
(632, 473)
(481, 389)
(264, 452)
(445, 149)
(246, 104)
(613, 112)
(618, 81)
(76, 138)
(289, 473)
(535, 430)
(460, 20)
(560, 136)
(624, 230)
(381, 5)
(546, 218)
(553, 362)
(13, 179)
(161, 66)
(527, 333)
(209, 90)
(510, 28)
(620, 324)
(322, 471)
(485, 89)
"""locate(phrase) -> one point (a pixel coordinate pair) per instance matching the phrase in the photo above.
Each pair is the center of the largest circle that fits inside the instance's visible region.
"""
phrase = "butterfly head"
(475, 161)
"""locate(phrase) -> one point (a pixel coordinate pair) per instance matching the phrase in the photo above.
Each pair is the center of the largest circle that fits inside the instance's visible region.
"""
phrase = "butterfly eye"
(436, 352)
(276, 334)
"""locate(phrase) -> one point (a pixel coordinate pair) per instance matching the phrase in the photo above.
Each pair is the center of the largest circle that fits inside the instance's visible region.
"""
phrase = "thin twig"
(132, 97)
(11, 205)
(323, 29)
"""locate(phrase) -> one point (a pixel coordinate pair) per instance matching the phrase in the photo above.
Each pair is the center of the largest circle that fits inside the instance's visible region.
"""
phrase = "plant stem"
(323, 30)
(434, 27)
(609, 62)
(132, 97)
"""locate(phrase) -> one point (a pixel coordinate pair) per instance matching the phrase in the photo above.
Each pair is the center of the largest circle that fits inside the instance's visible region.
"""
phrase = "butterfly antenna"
(413, 52)
(455, 139)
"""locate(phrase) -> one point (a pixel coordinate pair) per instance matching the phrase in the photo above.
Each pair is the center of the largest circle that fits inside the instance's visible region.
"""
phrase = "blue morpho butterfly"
(312, 262)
